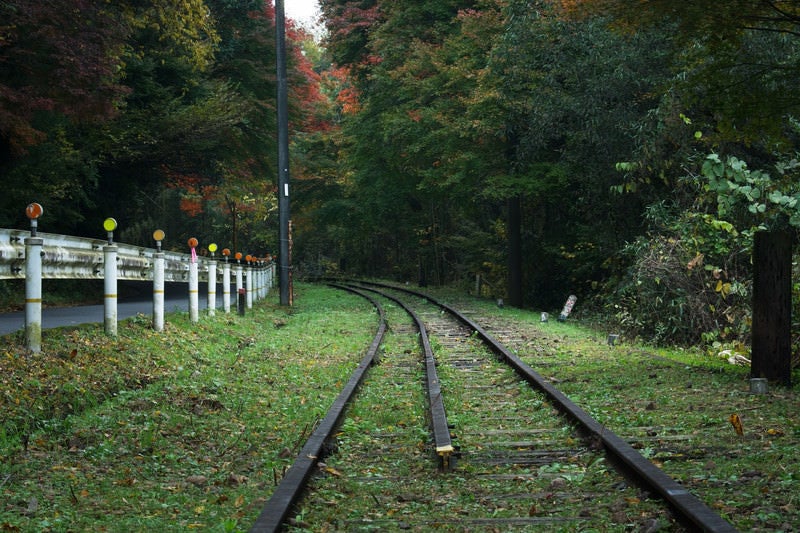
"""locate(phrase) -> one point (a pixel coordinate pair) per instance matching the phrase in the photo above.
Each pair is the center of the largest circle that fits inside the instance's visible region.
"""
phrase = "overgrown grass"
(184, 429)
(191, 428)
(676, 405)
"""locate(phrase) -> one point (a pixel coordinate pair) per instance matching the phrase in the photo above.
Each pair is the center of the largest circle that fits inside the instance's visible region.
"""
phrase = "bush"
(688, 282)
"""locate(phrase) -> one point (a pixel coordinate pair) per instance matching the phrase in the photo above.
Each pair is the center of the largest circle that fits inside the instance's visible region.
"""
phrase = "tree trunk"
(772, 307)
(515, 252)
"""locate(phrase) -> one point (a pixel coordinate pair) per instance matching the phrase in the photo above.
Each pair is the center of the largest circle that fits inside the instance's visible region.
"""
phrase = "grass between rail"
(193, 427)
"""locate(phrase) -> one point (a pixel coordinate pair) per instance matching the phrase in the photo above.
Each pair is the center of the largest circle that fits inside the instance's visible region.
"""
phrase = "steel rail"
(288, 491)
(439, 425)
(686, 505)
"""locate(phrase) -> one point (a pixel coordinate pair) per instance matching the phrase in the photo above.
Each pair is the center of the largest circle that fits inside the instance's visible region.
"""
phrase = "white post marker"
(264, 288)
(270, 273)
(110, 279)
(254, 270)
(239, 272)
(257, 278)
(239, 283)
(249, 293)
(194, 305)
(33, 282)
(567, 307)
(226, 282)
(212, 281)
(261, 282)
(158, 282)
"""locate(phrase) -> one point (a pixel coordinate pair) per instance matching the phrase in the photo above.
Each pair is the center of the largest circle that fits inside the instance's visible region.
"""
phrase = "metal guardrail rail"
(33, 256)
(66, 257)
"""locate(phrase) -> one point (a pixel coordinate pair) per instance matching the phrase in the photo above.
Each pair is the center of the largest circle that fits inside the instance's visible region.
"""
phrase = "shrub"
(688, 281)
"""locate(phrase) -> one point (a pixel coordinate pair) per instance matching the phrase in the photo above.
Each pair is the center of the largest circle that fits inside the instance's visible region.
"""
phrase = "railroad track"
(451, 431)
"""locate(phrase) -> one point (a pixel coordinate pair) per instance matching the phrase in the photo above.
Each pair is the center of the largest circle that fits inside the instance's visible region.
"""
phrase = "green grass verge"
(675, 405)
(191, 428)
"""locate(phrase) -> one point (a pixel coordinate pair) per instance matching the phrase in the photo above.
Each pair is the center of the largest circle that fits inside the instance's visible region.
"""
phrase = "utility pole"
(284, 257)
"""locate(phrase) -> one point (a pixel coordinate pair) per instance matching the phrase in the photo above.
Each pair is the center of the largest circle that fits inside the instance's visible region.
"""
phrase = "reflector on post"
(110, 225)
(33, 212)
(158, 236)
(192, 242)
(193, 282)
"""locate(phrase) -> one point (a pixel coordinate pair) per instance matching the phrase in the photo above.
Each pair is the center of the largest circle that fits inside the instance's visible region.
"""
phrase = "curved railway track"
(452, 431)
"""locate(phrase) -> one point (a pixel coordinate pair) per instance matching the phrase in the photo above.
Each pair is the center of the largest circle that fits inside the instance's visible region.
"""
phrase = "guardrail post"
(110, 289)
(212, 281)
(194, 314)
(226, 282)
(158, 283)
(272, 268)
(264, 288)
(259, 280)
(33, 292)
(239, 272)
(33, 281)
(249, 293)
(110, 279)
(256, 285)
(239, 283)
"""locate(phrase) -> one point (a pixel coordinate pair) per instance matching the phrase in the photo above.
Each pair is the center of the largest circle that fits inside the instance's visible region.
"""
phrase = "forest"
(627, 152)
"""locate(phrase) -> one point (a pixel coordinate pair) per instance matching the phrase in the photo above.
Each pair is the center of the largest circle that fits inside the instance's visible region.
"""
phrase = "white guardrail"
(65, 257)
(36, 256)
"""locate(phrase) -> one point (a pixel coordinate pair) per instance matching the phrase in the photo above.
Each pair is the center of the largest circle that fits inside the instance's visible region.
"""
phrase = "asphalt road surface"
(54, 317)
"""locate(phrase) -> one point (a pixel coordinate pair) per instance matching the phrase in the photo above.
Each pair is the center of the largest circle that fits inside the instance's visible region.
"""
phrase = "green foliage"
(688, 281)
(60, 173)
(771, 202)
(122, 103)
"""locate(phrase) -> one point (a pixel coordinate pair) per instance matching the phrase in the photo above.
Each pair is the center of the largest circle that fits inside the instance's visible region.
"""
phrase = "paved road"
(70, 316)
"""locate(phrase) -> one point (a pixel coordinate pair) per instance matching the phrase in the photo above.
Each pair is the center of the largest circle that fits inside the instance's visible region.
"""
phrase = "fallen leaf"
(236, 479)
(33, 506)
(286, 452)
(332, 471)
(737, 424)
(197, 480)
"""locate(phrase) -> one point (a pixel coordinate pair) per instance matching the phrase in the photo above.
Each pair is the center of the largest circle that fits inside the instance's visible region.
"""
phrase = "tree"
(740, 60)
(571, 95)
(206, 129)
(58, 81)
(392, 133)
(740, 63)
(770, 207)
(138, 109)
(57, 57)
